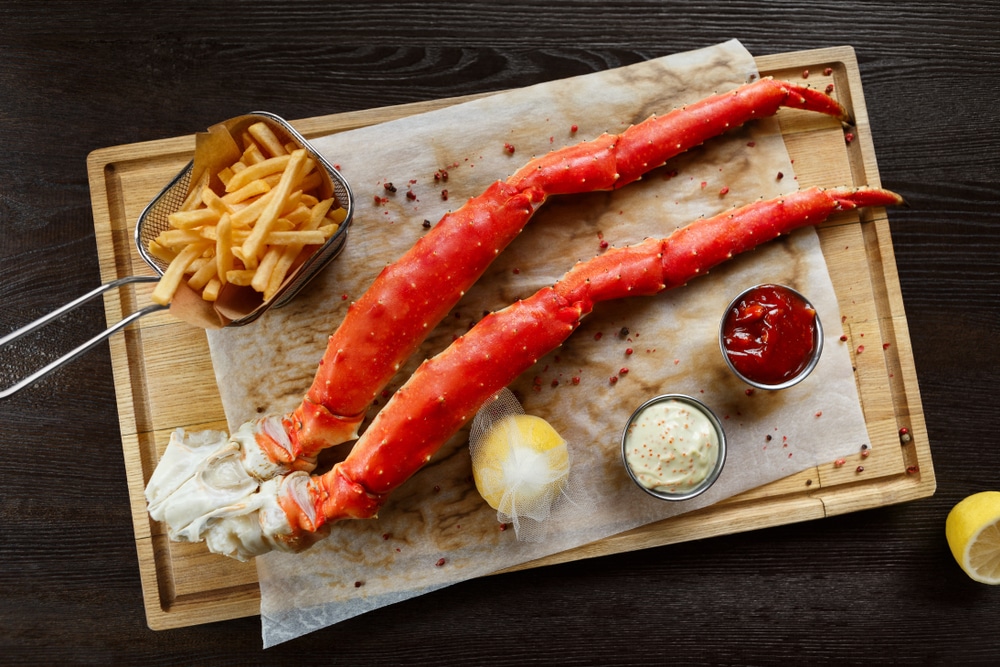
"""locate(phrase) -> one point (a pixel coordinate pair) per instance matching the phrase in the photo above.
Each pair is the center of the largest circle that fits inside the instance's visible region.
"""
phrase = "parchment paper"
(436, 530)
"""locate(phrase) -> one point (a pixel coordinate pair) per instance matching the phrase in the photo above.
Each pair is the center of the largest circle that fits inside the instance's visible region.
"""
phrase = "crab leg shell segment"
(410, 297)
(447, 390)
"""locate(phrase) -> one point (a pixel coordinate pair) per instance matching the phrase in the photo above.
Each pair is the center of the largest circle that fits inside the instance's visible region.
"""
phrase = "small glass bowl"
(712, 475)
(817, 350)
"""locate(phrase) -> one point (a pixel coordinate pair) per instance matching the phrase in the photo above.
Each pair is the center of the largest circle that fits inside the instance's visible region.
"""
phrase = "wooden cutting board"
(164, 377)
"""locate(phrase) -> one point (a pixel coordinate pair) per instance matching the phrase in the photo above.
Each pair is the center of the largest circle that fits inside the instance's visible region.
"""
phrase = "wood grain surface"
(875, 586)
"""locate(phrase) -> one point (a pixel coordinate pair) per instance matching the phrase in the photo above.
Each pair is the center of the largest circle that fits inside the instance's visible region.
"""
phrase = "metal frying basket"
(154, 219)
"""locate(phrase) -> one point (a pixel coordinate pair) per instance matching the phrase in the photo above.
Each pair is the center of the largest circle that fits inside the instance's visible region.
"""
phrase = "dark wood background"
(872, 587)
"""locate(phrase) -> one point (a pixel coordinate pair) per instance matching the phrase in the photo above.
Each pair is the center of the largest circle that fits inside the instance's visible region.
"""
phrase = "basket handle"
(84, 347)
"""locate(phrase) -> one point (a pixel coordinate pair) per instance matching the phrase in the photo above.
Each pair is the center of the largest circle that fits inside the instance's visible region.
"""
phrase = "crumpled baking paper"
(436, 530)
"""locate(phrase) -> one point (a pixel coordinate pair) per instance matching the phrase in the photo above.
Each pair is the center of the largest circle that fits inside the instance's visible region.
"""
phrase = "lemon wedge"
(973, 532)
(521, 465)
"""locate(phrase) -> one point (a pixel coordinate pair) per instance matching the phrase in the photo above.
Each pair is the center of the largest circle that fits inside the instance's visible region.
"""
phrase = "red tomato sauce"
(768, 334)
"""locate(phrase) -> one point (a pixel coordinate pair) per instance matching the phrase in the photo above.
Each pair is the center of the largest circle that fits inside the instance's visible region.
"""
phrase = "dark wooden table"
(872, 587)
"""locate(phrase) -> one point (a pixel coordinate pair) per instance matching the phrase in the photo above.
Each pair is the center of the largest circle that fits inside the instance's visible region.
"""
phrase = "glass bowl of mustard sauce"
(674, 447)
(771, 336)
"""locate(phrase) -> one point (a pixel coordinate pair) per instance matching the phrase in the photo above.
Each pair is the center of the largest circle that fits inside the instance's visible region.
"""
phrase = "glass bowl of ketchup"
(771, 336)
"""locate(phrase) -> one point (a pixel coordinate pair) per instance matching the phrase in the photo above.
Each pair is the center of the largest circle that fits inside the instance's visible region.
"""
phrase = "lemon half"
(521, 463)
(973, 532)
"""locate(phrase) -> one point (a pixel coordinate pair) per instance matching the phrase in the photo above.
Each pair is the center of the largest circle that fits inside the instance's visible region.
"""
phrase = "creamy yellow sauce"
(671, 446)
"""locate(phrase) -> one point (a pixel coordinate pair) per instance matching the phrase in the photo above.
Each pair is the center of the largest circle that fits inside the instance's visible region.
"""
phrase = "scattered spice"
(865, 453)
(861, 348)
(389, 186)
(427, 224)
(623, 371)
(444, 195)
(576, 379)
(904, 435)
(503, 527)
(805, 74)
(809, 482)
(359, 584)
(750, 392)
(613, 379)
(628, 351)
(859, 469)
(573, 129)
(839, 463)
(829, 88)
(724, 191)
(598, 336)
(768, 437)
(386, 536)
(828, 71)
(603, 244)
(912, 470)
(555, 383)
(885, 346)
(849, 137)
(440, 562)
(751, 144)
(819, 413)
(843, 338)
(623, 332)
(780, 175)
(509, 148)
(411, 195)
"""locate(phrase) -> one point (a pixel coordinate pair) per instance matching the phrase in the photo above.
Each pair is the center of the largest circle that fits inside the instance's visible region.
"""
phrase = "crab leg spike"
(446, 391)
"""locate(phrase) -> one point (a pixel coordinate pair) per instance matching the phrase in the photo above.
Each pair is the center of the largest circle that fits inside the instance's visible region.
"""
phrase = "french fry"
(206, 272)
(240, 277)
(172, 277)
(245, 216)
(225, 175)
(193, 196)
(266, 138)
(215, 202)
(178, 238)
(252, 155)
(165, 255)
(288, 255)
(301, 237)
(248, 191)
(193, 218)
(253, 245)
(260, 170)
(224, 247)
(318, 212)
(212, 289)
(337, 215)
(262, 275)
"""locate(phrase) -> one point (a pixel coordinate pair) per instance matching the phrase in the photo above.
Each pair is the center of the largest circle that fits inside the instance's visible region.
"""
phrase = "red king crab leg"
(410, 297)
(447, 390)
